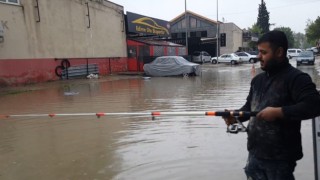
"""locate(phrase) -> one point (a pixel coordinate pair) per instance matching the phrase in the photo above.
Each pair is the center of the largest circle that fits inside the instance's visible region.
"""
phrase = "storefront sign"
(147, 25)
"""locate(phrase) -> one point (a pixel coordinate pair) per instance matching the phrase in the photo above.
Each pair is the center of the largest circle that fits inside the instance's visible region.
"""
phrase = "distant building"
(233, 38)
(202, 32)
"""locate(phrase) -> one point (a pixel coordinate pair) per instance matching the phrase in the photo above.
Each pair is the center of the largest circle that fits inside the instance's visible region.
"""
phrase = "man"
(283, 96)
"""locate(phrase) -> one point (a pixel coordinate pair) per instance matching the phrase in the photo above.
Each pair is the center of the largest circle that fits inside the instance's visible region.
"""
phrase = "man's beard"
(269, 65)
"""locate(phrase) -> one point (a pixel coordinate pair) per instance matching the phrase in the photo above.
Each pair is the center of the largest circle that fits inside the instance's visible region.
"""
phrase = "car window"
(306, 54)
(224, 56)
(299, 51)
(253, 53)
(196, 53)
(206, 54)
(291, 51)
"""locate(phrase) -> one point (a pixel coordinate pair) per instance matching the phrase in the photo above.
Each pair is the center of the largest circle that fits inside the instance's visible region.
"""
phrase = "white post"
(185, 17)
(217, 32)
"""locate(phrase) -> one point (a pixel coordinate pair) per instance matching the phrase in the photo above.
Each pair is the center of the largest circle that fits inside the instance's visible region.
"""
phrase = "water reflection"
(131, 147)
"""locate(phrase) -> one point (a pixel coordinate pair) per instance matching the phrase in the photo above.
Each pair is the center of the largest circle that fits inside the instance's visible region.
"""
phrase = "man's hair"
(276, 39)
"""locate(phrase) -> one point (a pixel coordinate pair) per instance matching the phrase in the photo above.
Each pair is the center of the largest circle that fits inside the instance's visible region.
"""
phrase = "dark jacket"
(294, 91)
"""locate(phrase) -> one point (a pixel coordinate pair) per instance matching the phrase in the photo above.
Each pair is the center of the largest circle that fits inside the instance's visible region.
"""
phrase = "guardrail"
(79, 71)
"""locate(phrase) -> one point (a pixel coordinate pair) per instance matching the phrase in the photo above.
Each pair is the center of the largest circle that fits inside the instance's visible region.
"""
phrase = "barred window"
(11, 1)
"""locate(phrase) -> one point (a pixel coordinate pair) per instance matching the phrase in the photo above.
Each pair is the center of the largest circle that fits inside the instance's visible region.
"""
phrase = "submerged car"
(227, 58)
(171, 66)
(305, 57)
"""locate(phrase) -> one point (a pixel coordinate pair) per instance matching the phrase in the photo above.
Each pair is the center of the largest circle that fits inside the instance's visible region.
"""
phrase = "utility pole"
(217, 32)
(185, 17)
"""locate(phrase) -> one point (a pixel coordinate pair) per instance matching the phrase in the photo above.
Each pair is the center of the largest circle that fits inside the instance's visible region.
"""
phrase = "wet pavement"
(132, 147)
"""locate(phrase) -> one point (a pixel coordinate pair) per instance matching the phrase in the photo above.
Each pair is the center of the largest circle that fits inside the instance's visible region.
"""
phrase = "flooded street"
(133, 147)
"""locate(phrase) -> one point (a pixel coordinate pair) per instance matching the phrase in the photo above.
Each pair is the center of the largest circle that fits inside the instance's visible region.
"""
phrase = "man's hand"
(270, 114)
(229, 120)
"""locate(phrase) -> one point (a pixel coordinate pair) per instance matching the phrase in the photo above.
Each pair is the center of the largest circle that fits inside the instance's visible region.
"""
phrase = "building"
(231, 38)
(147, 39)
(202, 32)
(35, 36)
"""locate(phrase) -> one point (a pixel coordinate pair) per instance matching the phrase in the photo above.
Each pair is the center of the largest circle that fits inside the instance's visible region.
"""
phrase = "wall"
(61, 29)
(233, 37)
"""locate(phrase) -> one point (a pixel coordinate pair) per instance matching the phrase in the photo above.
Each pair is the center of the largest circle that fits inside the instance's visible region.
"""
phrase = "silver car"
(305, 57)
(201, 57)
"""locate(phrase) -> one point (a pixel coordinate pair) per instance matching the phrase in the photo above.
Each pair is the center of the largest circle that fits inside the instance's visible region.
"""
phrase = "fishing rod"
(233, 128)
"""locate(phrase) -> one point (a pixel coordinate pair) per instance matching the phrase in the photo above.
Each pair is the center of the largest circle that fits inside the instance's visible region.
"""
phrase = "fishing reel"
(236, 127)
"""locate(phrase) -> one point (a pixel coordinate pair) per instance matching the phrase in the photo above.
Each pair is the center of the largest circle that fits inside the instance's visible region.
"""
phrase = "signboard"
(147, 25)
(1, 30)
(1, 33)
(316, 145)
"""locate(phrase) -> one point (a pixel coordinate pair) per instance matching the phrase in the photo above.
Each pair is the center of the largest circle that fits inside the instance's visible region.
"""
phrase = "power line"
(284, 6)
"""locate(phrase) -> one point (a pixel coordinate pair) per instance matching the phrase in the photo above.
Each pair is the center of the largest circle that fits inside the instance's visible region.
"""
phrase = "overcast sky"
(287, 13)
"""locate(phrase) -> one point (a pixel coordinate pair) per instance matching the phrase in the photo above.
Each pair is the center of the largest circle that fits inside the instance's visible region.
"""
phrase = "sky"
(244, 13)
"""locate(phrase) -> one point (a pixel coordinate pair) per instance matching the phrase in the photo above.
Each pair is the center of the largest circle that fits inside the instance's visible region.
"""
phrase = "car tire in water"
(233, 62)
(214, 61)
(251, 61)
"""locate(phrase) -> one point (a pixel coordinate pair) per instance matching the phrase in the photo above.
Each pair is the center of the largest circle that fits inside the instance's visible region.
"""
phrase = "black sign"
(223, 39)
(147, 25)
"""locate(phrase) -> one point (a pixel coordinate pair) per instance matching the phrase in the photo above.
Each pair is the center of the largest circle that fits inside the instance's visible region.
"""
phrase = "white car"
(227, 58)
(201, 57)
(314, 49)
(293, 53)
(246, 57)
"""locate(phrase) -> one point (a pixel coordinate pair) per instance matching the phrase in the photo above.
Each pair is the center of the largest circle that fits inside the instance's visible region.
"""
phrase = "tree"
(256, 32)
(300, 41)
(312, 31)
(289, 35)
(263, 18)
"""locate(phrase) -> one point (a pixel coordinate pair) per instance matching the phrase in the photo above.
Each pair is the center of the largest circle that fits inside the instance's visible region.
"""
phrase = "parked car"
(253, 52)
(227, 58)
(313, 49)
(201, 57)
(293, 53)
(246, 57)
(171, 66)
(305, 57)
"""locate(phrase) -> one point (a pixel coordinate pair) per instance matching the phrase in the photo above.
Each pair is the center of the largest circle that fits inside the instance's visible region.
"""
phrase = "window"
(11, 1)
(193, 22)
(174, 35)
(203, 33)
(193, 34)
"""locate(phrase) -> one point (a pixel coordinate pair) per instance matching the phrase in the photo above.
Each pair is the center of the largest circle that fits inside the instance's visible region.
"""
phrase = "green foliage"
(300, 41)
(263, 18)
(289, 35)
(256, 29)
(313, 31)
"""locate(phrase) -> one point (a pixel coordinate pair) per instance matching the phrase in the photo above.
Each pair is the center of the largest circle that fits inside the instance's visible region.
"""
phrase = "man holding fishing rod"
(283, 96)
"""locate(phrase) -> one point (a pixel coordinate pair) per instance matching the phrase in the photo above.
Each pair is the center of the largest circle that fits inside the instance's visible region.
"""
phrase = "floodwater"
(132, 147)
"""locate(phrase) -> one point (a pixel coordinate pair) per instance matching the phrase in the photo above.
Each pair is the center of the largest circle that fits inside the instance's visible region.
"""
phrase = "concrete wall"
(60, 30)
(233, 37)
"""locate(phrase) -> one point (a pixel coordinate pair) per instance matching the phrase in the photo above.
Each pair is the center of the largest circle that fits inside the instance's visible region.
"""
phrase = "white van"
(293, 53)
